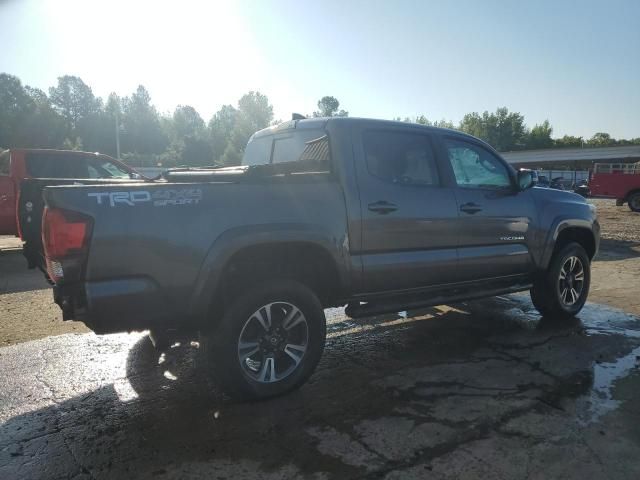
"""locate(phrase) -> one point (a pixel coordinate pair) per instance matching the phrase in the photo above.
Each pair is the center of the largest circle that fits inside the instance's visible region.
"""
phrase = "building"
(572, 158)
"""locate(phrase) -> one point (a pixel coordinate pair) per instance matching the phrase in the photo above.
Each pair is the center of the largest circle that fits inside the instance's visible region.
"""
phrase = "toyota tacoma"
(376, 215)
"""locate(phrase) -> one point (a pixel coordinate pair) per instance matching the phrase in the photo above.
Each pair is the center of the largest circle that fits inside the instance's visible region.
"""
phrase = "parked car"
(543, 181)
(381, 216)
(582, 188)
(558, 183)
(617, 180)
(19, 164)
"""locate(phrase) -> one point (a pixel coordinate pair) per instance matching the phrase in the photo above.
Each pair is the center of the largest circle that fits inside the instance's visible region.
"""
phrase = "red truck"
(17, 165)
(617, 180)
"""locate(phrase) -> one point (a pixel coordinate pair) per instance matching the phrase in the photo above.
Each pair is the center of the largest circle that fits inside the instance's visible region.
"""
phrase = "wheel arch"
(248, 253)
(567, 231)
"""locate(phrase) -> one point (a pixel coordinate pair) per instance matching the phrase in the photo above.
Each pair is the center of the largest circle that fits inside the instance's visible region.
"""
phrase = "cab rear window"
(297, 146)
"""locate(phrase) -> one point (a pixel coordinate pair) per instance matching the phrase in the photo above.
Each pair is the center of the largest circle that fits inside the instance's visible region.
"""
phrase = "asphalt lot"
(483, 389)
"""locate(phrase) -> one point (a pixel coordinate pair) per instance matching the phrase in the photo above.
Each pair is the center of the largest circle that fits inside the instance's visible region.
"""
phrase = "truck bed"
(157, 248)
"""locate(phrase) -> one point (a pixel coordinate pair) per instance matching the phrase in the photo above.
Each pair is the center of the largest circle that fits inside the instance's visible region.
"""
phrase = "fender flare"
(559, 225)
(236, 239)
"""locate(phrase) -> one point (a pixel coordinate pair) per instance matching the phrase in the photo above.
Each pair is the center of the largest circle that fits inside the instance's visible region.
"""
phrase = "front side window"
(476, 167)
(400, 157)
(99, 168)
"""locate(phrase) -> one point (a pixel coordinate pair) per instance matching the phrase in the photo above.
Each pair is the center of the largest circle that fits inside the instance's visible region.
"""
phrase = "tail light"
(65, 238)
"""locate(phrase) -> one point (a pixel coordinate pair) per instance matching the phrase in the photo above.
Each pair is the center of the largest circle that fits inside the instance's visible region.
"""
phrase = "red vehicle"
(19, 164)
(617, 180)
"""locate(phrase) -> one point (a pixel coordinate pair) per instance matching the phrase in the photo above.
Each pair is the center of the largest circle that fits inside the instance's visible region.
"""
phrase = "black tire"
(222, 351)
(547, 291)
(634, 202)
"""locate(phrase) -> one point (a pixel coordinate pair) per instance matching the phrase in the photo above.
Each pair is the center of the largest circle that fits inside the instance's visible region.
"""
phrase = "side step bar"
(401, 303)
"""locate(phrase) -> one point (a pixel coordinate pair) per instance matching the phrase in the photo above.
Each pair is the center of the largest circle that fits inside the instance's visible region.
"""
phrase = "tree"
(328, 107)
(503, 130)
(422, 120)
(220, 128)
(569, 141)
(141, 123)
(74, 100)
(187, 121)
(27, 118)
(540, 136)
(189, 145)
(601, 139)
(254, 113)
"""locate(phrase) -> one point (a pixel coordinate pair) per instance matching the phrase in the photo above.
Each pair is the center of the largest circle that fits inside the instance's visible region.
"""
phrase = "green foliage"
(141, 123)
(254, 113)
(72, 117)
(26, 116)
(74, 100)
(568, 141)
(220, 128)
(601, 139)
(329, 107)
(503, 130)
(540, 136)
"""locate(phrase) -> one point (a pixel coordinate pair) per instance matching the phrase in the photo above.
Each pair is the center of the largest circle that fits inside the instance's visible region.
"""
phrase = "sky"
(576, 64)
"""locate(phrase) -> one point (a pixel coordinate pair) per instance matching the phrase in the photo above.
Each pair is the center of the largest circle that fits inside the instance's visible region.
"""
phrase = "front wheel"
(634, 202)
(268, 341)
(562, 291)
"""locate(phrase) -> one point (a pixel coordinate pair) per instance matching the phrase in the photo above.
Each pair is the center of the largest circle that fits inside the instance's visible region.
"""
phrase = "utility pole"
(117, 136)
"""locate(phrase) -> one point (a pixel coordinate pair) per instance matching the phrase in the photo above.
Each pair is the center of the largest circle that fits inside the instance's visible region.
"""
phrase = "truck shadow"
(14, 275)
(611, 250)
(170, 420)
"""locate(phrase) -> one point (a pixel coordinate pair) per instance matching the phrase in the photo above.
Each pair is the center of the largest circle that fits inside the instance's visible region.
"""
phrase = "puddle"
(600, 401)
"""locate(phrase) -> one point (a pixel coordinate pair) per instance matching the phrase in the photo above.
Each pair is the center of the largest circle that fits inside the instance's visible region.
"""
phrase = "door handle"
(382, 207)
(470, 208)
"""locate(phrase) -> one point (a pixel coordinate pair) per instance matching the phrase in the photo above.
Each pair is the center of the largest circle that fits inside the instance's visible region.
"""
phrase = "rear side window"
(4, 162)
(51, 165)
(400, 157)
(303, 145)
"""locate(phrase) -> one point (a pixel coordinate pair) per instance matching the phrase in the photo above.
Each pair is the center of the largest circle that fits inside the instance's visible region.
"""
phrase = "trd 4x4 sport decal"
(158, 198)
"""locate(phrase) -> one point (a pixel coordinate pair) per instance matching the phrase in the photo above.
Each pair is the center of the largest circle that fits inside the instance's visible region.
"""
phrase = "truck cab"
(19, 164)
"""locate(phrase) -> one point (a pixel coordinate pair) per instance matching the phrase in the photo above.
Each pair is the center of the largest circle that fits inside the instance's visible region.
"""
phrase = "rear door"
(495, 218)
(408, 216)
(7, 197)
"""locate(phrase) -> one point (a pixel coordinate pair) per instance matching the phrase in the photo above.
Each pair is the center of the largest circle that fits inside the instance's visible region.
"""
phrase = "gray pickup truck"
(379, 216)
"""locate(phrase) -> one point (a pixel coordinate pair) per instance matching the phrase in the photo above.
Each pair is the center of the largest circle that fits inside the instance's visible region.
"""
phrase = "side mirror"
(525, 179)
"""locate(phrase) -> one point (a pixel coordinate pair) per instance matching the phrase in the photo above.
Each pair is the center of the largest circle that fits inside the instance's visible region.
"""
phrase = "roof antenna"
(297, 116)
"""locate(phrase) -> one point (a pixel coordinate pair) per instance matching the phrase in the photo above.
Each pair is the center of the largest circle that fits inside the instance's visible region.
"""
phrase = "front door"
(495, 217)
(408, 215)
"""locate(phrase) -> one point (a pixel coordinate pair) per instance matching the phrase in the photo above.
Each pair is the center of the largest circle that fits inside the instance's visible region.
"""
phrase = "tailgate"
(29, 212)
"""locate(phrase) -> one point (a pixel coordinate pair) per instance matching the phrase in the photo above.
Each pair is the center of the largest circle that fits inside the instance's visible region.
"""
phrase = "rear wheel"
(634, 202)
(563, 290)
(268, 341)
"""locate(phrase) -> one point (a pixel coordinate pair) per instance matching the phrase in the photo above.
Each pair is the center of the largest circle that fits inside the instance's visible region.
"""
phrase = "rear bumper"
(111, 306)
